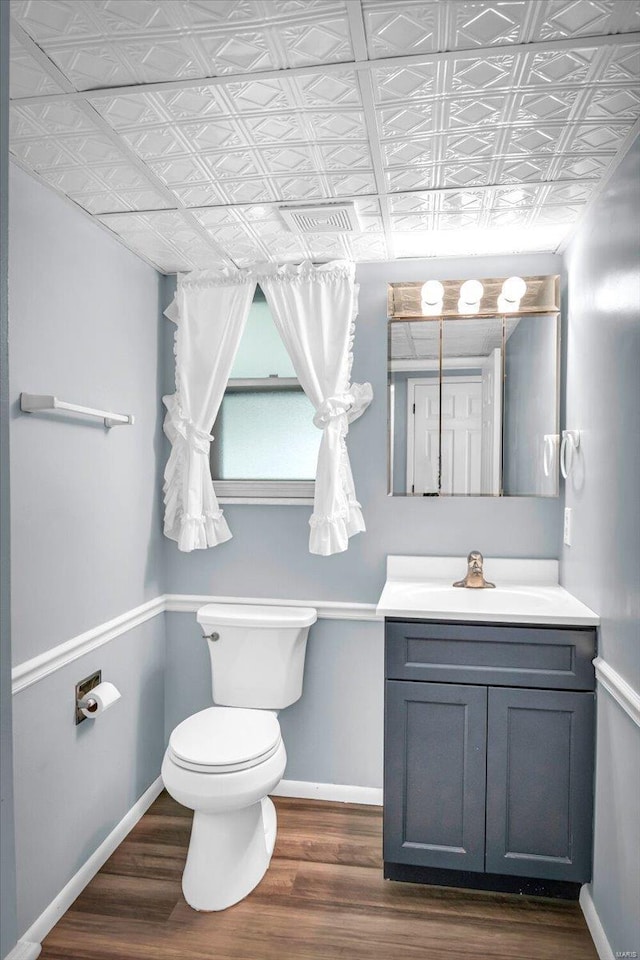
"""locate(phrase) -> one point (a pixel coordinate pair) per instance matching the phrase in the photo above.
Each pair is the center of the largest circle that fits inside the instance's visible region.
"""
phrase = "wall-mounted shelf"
(39, 402)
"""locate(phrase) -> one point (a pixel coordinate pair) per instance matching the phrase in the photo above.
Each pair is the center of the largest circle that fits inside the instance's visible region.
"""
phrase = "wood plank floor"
(323, 898)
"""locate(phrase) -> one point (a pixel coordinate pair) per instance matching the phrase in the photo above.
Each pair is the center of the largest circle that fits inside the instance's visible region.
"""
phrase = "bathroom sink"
(527, 591)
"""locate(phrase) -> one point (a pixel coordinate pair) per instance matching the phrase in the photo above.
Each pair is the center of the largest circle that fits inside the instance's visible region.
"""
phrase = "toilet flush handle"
(212, 636)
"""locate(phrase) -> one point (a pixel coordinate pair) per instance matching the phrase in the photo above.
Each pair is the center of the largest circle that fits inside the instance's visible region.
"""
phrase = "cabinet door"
(435, 766)
(540, 783)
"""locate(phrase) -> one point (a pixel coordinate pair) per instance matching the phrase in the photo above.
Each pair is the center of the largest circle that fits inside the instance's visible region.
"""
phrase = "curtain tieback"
(331, 408)
(197, 439)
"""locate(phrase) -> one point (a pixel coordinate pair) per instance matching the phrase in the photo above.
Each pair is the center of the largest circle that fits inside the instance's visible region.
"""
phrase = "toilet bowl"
(222, 762)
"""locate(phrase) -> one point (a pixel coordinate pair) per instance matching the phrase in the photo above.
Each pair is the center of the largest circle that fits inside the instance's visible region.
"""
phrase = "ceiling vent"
(322, 218)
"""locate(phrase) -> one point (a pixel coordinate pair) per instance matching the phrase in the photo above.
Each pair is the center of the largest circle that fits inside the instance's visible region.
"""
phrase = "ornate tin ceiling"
(459, 128)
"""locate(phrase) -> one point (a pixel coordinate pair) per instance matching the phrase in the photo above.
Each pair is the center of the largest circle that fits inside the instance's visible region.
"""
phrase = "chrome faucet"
(475, 576)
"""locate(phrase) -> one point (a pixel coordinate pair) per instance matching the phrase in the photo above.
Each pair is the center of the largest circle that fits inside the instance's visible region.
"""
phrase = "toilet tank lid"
(255, 615)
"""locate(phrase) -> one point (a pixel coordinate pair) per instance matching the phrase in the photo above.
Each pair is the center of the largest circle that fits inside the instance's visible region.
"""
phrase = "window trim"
(274, 382)
(276, 492)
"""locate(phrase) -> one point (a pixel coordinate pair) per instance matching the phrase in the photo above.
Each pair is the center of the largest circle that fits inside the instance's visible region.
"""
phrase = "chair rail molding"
(327, 609)
(31, 671)
(618, 688)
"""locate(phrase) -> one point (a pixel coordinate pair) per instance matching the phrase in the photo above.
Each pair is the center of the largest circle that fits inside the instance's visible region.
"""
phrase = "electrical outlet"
(566, 536)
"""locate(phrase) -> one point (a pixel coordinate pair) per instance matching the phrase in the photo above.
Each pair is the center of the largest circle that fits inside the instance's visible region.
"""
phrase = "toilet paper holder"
(83, 698)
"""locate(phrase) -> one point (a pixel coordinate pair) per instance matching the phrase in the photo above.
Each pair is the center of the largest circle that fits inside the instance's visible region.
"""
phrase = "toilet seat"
(225, 740)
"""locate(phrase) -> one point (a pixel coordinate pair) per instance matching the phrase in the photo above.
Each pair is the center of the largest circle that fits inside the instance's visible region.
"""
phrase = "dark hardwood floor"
(323, 898)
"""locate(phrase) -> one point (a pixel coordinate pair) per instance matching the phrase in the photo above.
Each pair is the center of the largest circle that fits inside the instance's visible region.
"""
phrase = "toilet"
(224, 761)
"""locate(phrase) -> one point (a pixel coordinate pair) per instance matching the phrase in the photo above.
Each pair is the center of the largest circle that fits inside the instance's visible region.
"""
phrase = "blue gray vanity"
(489, 728)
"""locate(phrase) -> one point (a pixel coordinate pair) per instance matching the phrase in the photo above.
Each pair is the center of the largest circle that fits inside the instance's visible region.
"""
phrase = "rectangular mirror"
(474, 387)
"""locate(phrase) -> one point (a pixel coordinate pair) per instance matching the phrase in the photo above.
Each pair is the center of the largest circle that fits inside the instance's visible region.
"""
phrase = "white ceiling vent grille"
(322, 218)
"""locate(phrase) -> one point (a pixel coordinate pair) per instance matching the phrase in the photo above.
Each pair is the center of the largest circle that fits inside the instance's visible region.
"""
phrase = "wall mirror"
(473, 371)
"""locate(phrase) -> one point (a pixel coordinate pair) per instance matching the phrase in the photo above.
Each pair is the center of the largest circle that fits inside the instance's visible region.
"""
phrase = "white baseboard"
(24, 950)
(49, 917)
(342, 792)
(599, 937)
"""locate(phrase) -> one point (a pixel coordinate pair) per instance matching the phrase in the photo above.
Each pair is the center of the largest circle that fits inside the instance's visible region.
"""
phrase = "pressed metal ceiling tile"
(578, 18)
(454, 153)
(400, 83)
(348, 125)
(76, 180)
(400, 28)
(469, 74)
(27, 78)
(351, 184)
(614, 104)
(257, 96)
(273, 128)
(287, 159)
(484, 24)
(245, 191)
(594, 138)
(623, 65)
(54, 20)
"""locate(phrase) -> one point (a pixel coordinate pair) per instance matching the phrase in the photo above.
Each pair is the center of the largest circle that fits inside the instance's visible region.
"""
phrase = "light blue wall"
(84, 321)
(8, 929)
(269, 557)
(86, 531)
(601, 566)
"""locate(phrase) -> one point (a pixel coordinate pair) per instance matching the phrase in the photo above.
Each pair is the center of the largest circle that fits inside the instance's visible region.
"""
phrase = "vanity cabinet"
(489, 736)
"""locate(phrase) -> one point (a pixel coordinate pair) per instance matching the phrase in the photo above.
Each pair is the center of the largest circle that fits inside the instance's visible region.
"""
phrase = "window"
(265, 446)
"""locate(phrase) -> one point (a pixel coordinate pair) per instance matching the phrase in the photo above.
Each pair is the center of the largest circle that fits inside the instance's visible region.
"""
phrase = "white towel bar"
(36, 402)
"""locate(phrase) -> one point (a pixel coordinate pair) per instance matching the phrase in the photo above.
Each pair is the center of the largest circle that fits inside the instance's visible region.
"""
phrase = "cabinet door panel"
(435, 762)
(540, 783)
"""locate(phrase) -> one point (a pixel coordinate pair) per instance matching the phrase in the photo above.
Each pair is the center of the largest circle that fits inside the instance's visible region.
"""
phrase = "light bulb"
(432, 292)
(471, 293)
(507, 306)
(514, 289)
(468, 308)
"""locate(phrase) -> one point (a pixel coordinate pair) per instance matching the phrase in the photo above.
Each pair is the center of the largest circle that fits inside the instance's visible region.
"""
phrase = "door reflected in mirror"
(473, 399)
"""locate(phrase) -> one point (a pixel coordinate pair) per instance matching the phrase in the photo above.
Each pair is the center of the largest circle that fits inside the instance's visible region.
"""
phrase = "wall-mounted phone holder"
(568, 449)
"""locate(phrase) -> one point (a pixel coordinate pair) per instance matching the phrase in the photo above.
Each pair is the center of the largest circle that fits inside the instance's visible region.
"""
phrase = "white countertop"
(527, 591)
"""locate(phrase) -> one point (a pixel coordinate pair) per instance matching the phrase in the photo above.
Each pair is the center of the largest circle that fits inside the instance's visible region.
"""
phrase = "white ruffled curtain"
(210, 312)
(314, 309)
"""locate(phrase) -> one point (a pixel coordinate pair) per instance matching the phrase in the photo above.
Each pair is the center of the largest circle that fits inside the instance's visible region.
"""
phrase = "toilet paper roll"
(101, 698)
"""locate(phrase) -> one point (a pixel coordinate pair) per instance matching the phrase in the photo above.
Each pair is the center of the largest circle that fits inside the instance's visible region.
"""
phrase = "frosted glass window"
(265, 434)
(261, 352)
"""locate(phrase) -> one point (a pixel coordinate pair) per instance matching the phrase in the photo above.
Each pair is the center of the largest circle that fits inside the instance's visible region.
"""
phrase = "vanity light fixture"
(432, 298)
(470, 296)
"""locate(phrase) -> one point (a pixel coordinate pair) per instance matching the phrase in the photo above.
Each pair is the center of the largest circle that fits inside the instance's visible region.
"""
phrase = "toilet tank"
(257, 652)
